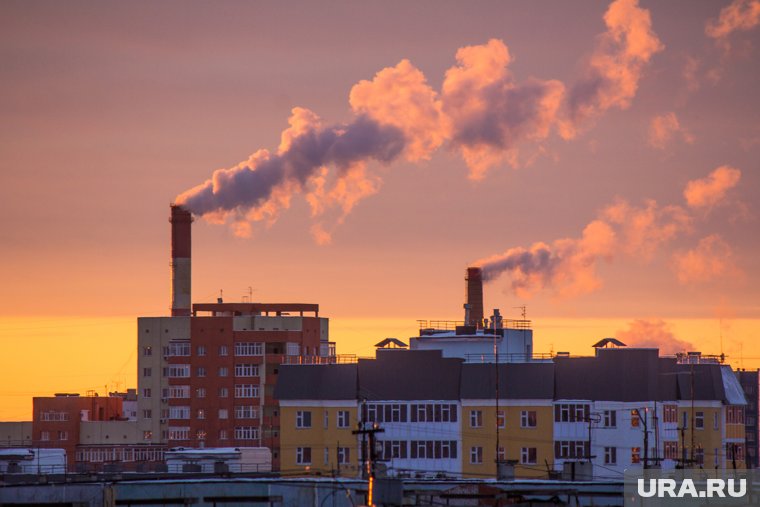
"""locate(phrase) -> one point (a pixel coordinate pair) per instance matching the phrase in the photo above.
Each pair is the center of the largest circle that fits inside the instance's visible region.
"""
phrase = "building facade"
(439, 416)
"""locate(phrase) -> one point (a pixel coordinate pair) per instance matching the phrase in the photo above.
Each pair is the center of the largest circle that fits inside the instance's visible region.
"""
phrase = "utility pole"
(646, 436)
(369, 451)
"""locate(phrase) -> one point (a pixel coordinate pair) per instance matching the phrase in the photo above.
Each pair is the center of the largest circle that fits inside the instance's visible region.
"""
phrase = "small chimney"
(180, 220)
(474, 297)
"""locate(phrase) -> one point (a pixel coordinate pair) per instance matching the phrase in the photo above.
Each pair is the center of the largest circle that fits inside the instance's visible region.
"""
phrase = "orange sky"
(601, 157)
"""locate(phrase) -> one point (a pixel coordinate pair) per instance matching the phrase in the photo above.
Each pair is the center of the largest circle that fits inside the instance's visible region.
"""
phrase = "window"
(146, 392)
(699, 420)
(200, 392)
(246, 433)
(303, 419)
(501, 453)
(179, 371)
(326, 457)
(344, 455)
(147, 372)
(147, 351)
(179, 349)
(179, 412)
(528, 419)
(147, 435)
(427, 412)
(501, 419)
(201, 350)
(610, 419)
(63, 435)
(223, 371)
(716, 420)
(390, 412)
(179, 433)
(222, 434)
(246, 412)
(224, 413)
(246, 370)
(343, 419)
(52, 415)
(564, 449)
(303, 455)
(430, 449)
(326, 418)
(670, 413)
(249, 349)
(635, 455)
(476, 419)
(635, 420)
(571, 412)
(610, 455)
(671, 450)
(201, 371)
(147, 414)
(699, 456)
(223, 392)
(394, 449)
(476, 455)
(246, 391)
(222, 350)
(528, 456)
(200, 435)
(179, 392)
(734, 415)
(201, 413)
(293, 349)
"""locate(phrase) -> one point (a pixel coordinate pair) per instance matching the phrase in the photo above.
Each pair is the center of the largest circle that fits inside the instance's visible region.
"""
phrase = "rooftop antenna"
(524, 312)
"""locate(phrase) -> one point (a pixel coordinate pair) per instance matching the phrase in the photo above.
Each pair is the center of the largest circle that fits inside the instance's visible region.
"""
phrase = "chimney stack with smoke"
(180, 220)
(474, 297)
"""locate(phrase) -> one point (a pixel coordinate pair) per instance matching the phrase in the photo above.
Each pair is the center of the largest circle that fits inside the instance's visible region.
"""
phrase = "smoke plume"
(568, 266)
(482, 111)
(655, 333)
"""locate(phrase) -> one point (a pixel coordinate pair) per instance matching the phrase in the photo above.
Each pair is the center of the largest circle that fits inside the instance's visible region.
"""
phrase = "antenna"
(524, 309)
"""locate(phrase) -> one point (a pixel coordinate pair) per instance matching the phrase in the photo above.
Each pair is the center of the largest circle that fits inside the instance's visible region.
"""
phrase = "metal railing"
(507, 358)
(451, 325)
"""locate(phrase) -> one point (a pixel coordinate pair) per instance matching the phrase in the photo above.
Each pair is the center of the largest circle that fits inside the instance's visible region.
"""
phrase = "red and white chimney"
(180, 220)
(474, 297)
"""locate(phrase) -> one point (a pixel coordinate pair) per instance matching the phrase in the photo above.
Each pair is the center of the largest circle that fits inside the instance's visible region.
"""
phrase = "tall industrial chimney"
(180, 220)
(474, 297)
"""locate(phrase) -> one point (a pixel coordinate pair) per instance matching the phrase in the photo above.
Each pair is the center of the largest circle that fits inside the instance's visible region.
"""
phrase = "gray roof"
(517, 381)
(316, 382)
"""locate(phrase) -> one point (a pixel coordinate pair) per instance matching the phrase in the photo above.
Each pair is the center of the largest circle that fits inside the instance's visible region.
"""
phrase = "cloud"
(617, 64)
(711, 190)
(740, 15)
(489, 112)
(653, 333)
(568, 267)
(664, 128)
(712, 259)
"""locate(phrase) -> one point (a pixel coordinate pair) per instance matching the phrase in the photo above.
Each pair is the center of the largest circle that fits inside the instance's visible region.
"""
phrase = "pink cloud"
(711, 190)
(664, 128)
(653, 333)
(740, 15)
(712, 259)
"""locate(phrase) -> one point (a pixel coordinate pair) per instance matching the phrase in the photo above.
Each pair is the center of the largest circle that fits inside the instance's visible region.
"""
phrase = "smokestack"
(474, 297)
(180, 220)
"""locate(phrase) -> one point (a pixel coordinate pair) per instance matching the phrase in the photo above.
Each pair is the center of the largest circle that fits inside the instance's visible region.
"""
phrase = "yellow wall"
(512, 437)
(709, 438)
(318, 437)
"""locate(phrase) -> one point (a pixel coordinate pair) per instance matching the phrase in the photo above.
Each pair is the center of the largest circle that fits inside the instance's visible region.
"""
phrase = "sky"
(598, 159)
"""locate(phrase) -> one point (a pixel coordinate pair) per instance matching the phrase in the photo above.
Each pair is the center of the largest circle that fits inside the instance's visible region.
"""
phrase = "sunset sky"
(599, 159)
